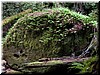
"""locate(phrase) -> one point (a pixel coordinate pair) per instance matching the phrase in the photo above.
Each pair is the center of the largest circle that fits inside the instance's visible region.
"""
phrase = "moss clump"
(45, 34)
(11, 18)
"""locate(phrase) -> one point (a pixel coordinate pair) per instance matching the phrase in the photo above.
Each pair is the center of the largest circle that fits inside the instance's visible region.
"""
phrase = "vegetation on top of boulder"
(83, 18)
(56, 33)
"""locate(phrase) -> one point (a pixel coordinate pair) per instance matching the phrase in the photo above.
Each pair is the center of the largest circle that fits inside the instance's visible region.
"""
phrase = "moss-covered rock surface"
(47, 34)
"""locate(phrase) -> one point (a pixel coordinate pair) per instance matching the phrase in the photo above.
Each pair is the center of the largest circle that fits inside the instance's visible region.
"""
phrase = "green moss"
(42, 34)
(10, 21)
(53, 62)
(12, 18)
(85, 19)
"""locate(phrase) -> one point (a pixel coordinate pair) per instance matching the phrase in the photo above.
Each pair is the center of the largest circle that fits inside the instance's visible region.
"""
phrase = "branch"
(92, 43)
(53, 62)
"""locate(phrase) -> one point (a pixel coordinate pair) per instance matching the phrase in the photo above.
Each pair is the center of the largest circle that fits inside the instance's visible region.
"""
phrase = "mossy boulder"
(9, 21)
(49, 33)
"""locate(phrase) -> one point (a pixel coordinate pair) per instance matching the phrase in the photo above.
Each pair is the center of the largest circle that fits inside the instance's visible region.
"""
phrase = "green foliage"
(12, 8)
(84, 8)
(89, 6)
(94, 15)
(78, 16)
(86, 66)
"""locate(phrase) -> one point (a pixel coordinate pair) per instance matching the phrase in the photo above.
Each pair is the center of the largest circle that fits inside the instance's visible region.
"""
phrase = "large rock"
(52, 33)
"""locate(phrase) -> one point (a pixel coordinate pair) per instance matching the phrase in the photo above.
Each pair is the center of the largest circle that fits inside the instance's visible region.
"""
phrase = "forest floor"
(47, 62)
